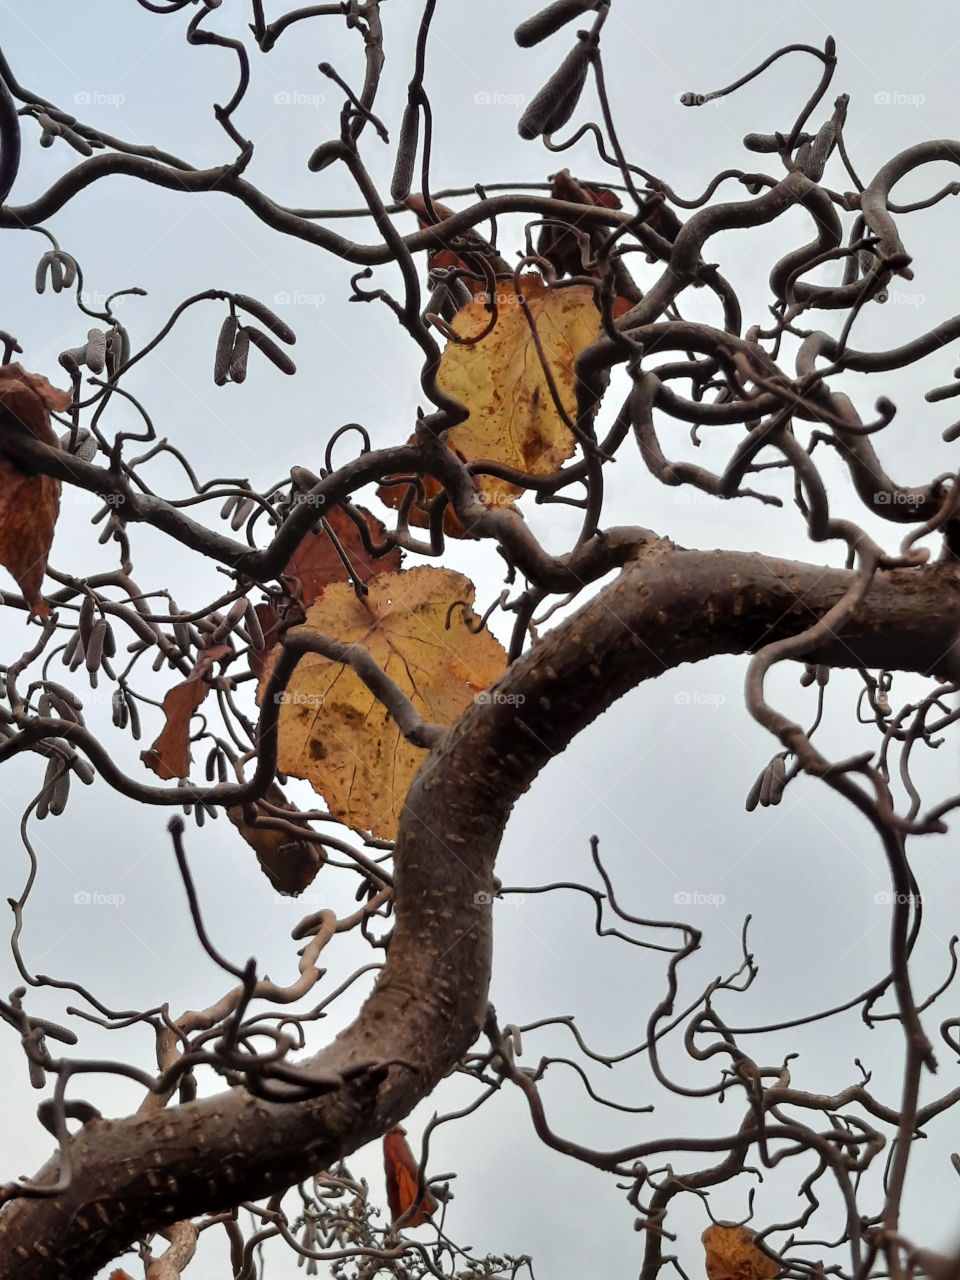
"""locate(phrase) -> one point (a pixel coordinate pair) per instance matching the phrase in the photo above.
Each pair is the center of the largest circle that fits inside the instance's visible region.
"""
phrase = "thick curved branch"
(667, 608)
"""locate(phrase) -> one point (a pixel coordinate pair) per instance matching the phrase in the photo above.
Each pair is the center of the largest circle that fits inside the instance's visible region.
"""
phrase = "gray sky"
(661, 777)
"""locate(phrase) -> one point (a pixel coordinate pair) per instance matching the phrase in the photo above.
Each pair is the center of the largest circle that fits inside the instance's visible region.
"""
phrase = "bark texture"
(669, 607)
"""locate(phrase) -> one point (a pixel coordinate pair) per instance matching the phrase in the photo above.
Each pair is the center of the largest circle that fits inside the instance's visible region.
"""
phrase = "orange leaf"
(393, 495)
(403, 1176)
(477, 276)
(29, 503)
(169, 757)
(316, 563)
(732, 1255)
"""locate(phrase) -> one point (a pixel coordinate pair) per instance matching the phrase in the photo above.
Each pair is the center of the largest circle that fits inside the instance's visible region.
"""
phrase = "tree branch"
(668, 607)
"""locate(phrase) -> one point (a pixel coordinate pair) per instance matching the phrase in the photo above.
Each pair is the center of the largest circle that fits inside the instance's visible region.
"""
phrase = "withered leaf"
(29, 503)
(732, 1255)
(169, 757)
(403, 1176)
(333, 731)
(501, 380)
(288, 863)
(316, 563)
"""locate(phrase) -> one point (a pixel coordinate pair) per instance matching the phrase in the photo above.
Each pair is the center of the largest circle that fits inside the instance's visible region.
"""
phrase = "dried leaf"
(316, 563)
(403, 1175)
(288, 863)
(29, 503)
(500, 378)
(473, 254)
(337, 735)
(169, 757)
(556, 243)
(732, 1255)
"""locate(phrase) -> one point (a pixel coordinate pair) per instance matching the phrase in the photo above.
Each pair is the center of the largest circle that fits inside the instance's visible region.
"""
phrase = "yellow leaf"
(732, 1255)
(501, 380)
(333, 731)
(513, 417)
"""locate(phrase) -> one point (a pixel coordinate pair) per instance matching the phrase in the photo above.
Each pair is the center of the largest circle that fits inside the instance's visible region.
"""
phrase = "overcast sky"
(661, 777)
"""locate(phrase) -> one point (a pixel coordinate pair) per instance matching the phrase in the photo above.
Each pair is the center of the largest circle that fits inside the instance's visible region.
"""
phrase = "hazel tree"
(341, 650)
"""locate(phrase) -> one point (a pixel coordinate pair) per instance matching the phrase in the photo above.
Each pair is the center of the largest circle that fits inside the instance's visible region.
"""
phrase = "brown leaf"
(558, 244)
(169, 757)
(29, 503)
(732, 1255)
(288, 863)
(316, 563)
(418, 515)
(403, 1175)
(471, 252)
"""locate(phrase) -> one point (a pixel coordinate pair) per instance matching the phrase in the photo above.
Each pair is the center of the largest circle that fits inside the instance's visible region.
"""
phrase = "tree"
(377, 681)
